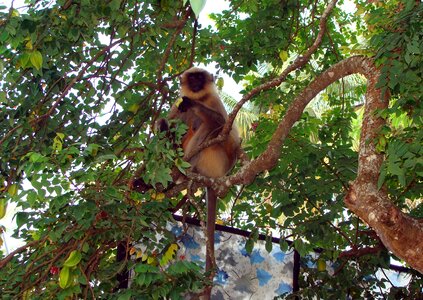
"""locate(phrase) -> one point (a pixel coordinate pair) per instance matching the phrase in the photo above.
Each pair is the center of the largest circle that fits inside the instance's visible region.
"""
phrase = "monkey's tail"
(210, 228)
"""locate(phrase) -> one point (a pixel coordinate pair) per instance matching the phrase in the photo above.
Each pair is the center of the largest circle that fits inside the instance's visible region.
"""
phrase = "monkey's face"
(196, 79)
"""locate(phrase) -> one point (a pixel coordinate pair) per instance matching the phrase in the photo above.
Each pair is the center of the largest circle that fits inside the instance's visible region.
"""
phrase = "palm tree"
(245, 117)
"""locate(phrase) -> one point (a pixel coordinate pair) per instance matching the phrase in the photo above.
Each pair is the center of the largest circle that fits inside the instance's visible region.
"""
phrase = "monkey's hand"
(185, 104)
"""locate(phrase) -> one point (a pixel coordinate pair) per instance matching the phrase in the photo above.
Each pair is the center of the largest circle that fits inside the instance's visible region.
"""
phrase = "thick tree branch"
(354, 253)
(400, 233)
(269, 157)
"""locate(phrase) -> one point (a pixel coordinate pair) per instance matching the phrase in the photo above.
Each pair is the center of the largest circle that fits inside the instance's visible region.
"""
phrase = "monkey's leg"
(212, 162)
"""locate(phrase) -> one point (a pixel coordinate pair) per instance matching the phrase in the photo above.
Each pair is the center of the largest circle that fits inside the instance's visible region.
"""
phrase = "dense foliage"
(83, 81)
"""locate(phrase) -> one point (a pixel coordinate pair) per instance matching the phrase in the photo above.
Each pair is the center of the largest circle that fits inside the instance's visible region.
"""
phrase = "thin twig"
(8, 258)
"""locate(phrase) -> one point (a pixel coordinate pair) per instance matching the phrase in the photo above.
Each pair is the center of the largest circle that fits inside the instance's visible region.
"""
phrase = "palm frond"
(245, 117)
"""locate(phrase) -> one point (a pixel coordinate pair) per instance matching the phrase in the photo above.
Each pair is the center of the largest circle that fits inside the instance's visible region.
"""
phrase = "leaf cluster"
(83, 82)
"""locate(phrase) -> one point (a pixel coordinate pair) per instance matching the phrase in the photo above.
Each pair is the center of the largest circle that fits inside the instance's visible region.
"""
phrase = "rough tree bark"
(399, 232)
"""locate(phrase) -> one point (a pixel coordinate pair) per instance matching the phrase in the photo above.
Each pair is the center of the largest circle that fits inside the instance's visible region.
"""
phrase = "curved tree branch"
(400, 233)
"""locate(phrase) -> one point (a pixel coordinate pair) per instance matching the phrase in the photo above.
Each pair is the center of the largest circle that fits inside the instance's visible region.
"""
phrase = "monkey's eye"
(196, 76)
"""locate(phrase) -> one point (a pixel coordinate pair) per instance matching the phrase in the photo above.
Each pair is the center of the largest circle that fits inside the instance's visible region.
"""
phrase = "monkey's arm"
(213, 118)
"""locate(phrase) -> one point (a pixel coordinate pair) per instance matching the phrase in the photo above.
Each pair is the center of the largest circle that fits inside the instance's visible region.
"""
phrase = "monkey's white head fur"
(207, 85)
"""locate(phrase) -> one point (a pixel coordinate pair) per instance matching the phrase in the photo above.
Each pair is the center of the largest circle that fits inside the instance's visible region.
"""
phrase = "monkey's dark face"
(196, 81)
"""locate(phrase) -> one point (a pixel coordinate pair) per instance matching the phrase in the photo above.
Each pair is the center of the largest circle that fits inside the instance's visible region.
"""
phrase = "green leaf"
(3, 207)
(82, 279)
(4, 36)
(381, 179)
(57, 144)
(13, 189)
(163, 176)
(140, 278)
(24, 60)
(283, 245)
(126, 295)
(220, 83)
(269, 244)
(394, 168)
(182, 165)
(36, 59)
(169, 254)
(321, 265)
(143, 268)
(64, 278)
(249, 245)
(36, 157)
(381, 145)
(179, 267)
(92, 149)
(85, 247)
(115, 4)
(283, 55)
(300, 246)
(61, 136)
(401, 179)
(21, 218)
(73, 259)
(106, 157)
(197, 6)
